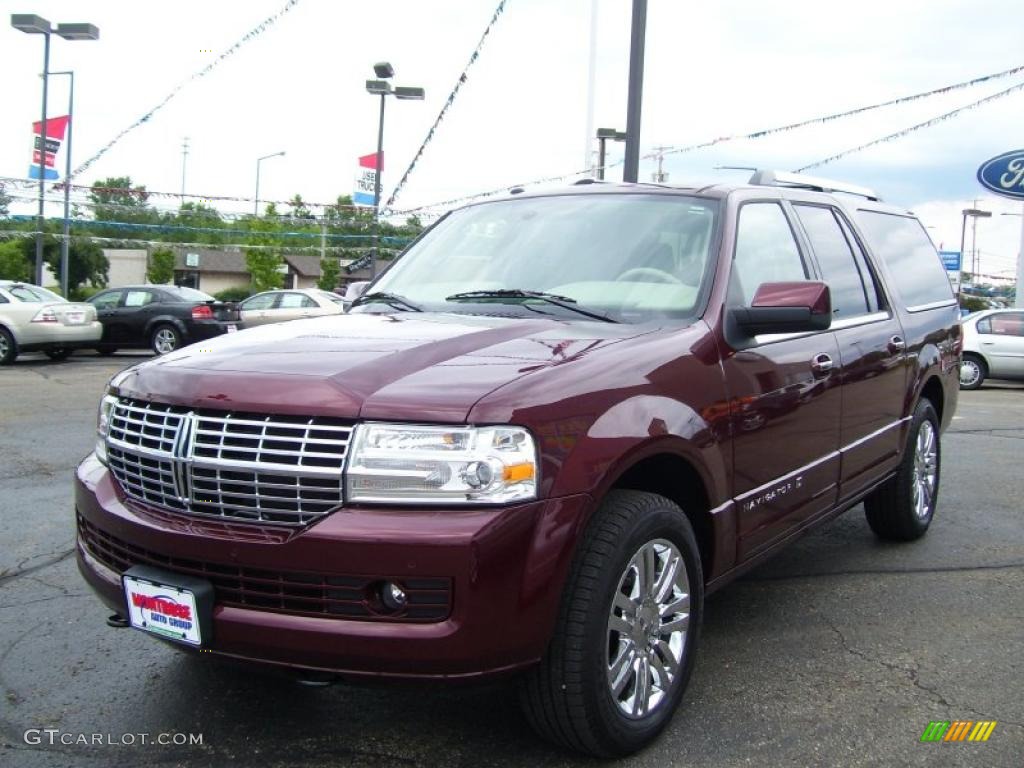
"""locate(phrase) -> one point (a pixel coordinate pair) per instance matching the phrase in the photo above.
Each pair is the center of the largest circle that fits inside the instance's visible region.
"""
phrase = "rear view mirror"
(798, 307)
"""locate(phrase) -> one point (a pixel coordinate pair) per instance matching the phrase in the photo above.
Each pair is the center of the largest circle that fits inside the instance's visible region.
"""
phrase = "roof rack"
(767, 178)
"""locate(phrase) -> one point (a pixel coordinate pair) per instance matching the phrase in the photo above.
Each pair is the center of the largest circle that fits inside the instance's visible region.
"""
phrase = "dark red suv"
(535, 444)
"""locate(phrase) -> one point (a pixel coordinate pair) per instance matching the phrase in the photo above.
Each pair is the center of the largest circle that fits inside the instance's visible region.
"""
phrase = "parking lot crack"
(19, 571)
(913, 675)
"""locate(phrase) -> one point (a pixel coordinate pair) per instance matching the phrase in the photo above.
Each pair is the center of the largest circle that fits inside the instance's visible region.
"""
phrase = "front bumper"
(48, 335)
(506, 567)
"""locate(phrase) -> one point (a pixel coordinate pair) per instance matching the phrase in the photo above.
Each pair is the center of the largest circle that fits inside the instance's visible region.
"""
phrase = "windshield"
(631, 257)
(32, 294)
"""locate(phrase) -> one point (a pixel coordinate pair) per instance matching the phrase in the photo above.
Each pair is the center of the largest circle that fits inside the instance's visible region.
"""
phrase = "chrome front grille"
(239, 466)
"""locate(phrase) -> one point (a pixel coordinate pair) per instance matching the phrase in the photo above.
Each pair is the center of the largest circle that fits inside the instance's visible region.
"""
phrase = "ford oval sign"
(1004, 174)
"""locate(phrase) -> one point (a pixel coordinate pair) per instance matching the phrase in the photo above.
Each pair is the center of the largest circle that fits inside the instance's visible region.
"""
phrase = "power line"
(906, 131)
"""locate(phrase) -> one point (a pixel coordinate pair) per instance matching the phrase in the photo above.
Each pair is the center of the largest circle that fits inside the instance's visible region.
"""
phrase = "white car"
(33, 319)
(279, 306)
(993, 347)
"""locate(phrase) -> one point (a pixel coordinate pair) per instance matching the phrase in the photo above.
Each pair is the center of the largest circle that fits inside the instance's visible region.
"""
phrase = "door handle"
(897, 344)
(821, 364)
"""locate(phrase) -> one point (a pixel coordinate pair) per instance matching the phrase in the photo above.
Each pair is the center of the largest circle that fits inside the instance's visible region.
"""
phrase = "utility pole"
(659, 176)
(184, 157)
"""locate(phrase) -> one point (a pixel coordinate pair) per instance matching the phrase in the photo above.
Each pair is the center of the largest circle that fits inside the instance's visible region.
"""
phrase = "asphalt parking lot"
(838, 652)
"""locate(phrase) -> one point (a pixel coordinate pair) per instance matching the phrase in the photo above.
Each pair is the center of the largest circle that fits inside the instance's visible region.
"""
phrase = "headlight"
(435, 465)
(103, 426)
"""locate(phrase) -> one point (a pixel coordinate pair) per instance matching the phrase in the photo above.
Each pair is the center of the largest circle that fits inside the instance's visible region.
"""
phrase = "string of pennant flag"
(248, 37)
(447, 105)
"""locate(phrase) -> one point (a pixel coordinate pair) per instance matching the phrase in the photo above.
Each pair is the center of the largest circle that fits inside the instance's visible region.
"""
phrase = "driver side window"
(766, 251)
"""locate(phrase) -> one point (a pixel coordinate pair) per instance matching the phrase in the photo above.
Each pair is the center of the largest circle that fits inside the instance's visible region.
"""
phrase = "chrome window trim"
(932, 305)
(853, 322)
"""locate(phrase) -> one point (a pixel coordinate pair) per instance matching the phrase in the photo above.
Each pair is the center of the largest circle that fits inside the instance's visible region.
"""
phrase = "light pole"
(974, 213)
(634, 102)
(1019, 301)
(381, 87)
(256, 205)
(37, 25)
(603, 135)
(64, 243)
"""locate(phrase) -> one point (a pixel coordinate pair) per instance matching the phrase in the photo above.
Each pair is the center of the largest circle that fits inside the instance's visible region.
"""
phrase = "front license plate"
(232, 328)
(163, 609)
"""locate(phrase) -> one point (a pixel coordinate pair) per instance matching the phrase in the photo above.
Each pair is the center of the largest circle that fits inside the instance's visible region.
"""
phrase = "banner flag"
(366, 179)
(55, 129)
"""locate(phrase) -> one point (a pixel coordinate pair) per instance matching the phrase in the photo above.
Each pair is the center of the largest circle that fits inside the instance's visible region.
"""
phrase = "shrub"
(234, 294)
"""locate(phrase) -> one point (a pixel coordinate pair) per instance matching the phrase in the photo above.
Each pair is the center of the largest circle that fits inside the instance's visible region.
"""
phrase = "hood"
(406, 366)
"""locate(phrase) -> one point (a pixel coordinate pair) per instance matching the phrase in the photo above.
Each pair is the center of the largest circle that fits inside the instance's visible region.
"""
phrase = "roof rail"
(767, 178)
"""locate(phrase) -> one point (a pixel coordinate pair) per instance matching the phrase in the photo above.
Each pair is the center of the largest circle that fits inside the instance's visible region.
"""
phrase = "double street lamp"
(604, 135)
(256, 206)
(974, 213)
(381, 87)
(37, 25)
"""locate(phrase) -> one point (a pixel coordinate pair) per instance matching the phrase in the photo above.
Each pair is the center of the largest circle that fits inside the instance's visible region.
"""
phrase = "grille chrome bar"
(269, 469)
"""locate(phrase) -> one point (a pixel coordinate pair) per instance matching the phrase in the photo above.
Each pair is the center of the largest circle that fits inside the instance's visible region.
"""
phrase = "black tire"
(8, 347)
(567, 698)
(164, 339)
(892, 509)
(58, 353)
(105, 350)
(973, 367)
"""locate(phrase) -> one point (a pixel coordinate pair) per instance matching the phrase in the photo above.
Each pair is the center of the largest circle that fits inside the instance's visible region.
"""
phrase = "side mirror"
(355, 290)
(799, 307)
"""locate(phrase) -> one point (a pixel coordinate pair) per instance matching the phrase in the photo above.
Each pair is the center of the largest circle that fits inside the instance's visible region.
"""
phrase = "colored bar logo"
(958, 730)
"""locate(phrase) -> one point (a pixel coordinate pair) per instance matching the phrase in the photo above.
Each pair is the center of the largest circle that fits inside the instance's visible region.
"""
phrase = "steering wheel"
(650, 272)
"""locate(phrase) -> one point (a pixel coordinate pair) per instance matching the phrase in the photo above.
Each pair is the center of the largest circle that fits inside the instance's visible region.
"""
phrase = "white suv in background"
(993, 346)
(33, 319)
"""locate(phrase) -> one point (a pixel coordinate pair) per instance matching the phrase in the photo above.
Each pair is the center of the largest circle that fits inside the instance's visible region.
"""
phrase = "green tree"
(160, 269)
(330, 270)
(264, 267)
(299, 210)
(13, 264)
(86, 263)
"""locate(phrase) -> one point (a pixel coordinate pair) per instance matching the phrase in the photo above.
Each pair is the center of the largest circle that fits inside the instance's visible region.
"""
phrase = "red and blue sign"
(366, 180)
(55, 128)
(1004, 174)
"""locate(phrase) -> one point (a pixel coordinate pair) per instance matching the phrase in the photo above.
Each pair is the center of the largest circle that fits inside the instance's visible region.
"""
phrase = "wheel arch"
(159, 320)
(678, 479)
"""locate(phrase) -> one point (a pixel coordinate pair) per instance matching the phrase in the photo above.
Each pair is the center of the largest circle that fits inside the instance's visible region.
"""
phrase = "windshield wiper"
(564, 302)
(391, 299)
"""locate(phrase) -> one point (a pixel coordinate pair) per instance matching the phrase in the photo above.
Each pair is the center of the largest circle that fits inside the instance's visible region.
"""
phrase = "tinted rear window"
(913, 261)
(188, 294)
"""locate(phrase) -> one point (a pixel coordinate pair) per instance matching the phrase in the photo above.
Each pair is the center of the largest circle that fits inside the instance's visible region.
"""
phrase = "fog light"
(393, 597)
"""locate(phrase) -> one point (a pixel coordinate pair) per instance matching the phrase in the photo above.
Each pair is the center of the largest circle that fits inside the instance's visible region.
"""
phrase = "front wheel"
(165, 339)
(627, 630)
(903, 507)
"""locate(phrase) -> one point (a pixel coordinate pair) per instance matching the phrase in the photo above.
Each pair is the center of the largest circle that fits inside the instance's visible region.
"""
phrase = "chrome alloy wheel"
(970, 372)
(165, 341)
(5, 348)
(647, 628)
(926, 465)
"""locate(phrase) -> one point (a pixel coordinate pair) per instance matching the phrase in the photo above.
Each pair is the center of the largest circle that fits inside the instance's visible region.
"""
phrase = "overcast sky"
(713, 69)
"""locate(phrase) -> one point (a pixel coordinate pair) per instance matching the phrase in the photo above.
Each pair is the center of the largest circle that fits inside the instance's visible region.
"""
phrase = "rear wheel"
(165, 339)
(627, 631)
(58, 353)
(972, 372)
(902, 508)
(8, 347)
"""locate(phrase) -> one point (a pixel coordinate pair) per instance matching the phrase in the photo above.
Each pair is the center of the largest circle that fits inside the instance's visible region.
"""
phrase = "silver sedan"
(279, 306)
(33, 319)
(993, 347)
